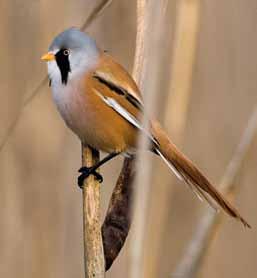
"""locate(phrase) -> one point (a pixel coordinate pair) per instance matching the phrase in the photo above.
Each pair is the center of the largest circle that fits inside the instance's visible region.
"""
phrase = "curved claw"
(85, 173)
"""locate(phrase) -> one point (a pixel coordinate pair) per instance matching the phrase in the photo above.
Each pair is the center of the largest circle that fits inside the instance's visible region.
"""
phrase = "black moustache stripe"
(63, 64)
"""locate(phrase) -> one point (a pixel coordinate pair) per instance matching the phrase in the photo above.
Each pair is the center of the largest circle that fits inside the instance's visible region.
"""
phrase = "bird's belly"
(101, 129)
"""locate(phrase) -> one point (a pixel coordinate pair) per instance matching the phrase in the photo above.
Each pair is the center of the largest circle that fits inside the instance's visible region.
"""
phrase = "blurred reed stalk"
(135, 259)
(97, 11)
(93, 247)
(209, 224)
(176, 112)
(186, 36)
(151, 34)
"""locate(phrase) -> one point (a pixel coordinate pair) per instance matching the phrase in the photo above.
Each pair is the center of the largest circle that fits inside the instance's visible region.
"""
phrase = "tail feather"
(198, 192)
(184, 169)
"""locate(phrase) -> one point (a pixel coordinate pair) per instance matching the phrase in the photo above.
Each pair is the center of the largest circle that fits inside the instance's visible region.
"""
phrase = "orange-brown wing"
(117, 89)
(112, 75)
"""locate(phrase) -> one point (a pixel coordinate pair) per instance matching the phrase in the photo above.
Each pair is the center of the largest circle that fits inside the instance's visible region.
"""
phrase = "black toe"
(85, 173)
(81, 179)
(84, 169)
(98, 176)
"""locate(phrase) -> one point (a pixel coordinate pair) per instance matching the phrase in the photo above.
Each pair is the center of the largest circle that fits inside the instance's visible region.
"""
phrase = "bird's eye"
(66, 52)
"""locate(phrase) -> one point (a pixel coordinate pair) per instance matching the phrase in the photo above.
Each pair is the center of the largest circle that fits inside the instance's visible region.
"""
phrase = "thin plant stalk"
(186, 35)
(209, 224)
(150, 35)
(138, 73)
(93, 246)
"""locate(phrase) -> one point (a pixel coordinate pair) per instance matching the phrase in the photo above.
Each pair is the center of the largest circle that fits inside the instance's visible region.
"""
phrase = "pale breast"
(70, 103)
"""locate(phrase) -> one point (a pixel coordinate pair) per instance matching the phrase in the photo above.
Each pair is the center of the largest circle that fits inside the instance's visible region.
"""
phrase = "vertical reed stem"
(93, 246)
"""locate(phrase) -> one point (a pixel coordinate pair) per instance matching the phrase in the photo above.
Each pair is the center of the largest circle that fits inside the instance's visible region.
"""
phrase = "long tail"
(185, 170)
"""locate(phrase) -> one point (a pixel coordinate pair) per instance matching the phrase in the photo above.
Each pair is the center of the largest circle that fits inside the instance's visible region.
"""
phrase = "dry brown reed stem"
(186, 34)
(140, 46)
(93, 246)
(98, 10)
(208, 226)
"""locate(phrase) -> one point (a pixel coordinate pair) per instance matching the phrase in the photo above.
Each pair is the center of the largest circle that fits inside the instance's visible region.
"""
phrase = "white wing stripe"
(111, 102)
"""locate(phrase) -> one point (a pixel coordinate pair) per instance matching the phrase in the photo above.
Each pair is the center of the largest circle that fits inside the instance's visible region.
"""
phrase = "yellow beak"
(48, 57)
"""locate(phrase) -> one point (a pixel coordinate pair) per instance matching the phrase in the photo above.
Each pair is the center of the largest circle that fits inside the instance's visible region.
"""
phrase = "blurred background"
(40, 203)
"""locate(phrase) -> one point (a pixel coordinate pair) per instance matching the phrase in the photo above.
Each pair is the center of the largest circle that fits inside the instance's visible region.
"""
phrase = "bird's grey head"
(73, 52)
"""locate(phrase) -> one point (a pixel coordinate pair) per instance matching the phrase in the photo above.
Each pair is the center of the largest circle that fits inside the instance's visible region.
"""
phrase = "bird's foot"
(85, 173)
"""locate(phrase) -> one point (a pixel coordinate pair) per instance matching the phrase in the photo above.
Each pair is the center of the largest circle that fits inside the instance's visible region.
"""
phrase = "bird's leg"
(87, 171)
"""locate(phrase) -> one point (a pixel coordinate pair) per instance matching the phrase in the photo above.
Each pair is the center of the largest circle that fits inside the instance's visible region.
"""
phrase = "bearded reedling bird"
(102, 105)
